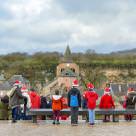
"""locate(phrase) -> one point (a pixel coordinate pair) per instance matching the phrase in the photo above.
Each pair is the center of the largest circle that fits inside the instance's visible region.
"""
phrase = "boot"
(58, 122)
(53, 122)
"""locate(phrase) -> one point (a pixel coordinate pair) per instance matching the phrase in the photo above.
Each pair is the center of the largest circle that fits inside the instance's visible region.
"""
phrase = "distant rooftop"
(7, 85)
(17, 77)
(2, 78)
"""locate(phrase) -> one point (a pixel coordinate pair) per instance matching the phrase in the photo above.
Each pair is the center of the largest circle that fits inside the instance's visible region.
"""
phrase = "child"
(56, 106)
(74, 102)
(106, 102)
(91, 96)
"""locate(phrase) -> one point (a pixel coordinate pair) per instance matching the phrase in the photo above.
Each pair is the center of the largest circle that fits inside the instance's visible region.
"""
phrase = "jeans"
(16, 113)
(74, 115)
(91, 116)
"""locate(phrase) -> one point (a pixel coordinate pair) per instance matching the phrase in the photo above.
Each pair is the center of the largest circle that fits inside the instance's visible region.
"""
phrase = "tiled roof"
(2, 77)
(17, 77)
(7, 85)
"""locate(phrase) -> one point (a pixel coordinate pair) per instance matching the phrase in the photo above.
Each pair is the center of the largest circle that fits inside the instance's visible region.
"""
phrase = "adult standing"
(130, 102)
(74, 102)
(16, 99)
(27, 105)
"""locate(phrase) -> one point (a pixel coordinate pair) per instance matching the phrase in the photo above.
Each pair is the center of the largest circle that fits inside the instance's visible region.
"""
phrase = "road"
(45, 128)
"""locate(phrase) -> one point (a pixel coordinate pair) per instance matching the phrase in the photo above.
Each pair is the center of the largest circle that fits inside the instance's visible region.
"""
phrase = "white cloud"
(26, 9)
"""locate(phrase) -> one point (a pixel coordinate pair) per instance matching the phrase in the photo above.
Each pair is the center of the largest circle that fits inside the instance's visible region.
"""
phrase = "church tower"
(67, 71)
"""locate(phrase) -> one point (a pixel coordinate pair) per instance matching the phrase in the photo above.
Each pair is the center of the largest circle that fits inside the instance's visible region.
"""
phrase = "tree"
(95, 76)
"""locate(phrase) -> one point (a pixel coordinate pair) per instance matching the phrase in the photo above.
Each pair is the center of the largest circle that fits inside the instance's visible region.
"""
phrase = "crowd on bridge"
(22, 100)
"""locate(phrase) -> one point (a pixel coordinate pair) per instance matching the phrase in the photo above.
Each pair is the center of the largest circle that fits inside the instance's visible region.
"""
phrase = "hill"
(125, 52)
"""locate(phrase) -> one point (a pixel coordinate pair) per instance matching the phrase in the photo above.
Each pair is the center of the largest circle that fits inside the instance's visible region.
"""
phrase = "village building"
(66, 72)
(6, 85)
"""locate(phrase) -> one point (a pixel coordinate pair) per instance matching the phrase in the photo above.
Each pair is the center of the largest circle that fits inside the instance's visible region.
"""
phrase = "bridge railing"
(114, 112)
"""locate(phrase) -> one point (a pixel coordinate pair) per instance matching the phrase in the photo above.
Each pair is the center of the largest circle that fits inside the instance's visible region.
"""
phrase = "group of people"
(22, 99)
(90, 96)
(74, 102)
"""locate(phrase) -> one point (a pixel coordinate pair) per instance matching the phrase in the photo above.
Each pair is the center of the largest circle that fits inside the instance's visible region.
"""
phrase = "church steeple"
(67, 52)
(67, 55)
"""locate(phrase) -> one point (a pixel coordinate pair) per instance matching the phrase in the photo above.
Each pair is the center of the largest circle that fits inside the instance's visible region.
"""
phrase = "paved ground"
(44, 128)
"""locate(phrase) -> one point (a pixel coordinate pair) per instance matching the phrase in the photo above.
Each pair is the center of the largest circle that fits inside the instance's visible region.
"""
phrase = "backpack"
(74, 101)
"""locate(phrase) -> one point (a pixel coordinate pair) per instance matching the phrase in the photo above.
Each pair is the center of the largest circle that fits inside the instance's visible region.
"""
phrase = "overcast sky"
(49, 25)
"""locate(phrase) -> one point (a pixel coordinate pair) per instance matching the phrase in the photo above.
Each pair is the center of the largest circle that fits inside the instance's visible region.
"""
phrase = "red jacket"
(91, 97)
(64, 103)
(35, 100)
(106, 102)
(124, 102)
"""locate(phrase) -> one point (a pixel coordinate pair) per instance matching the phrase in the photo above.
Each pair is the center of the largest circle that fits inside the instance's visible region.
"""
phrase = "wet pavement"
(45, 128)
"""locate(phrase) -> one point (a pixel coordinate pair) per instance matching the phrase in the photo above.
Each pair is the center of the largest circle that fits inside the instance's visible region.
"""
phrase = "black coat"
(131, 100)
(43, 102)
(74, 91)
(16, 98)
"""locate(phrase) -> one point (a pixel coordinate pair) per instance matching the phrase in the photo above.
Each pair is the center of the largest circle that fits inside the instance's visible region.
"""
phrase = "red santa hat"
(24, 88)
(130, 90)
(90, 86)
(75, 83)
(107, 90)
(17, 82)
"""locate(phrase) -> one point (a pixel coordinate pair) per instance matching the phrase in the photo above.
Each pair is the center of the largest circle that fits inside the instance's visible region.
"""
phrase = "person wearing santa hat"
(130, 102)
(106, 102)
(74, 102)
(35, 99)
(91, 96)
(24, 91)
(15, 99)
(27, 105)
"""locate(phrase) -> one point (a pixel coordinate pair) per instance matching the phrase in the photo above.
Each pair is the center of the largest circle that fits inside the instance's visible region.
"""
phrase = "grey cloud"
(82, 24)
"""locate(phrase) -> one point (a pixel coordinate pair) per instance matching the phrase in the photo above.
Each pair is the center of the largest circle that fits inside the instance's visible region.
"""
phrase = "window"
(62, 70)
(73, 70)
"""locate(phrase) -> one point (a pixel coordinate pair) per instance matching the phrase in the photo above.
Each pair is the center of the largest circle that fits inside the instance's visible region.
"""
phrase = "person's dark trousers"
(56, 115)
(15, 114)
(24, 117)
(106, 118)
(74, 115)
